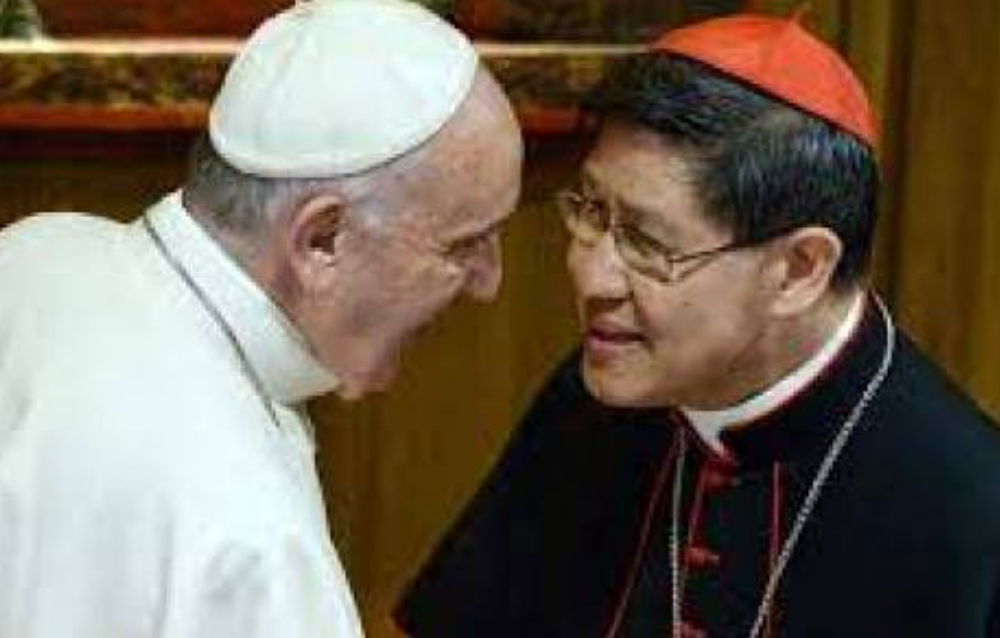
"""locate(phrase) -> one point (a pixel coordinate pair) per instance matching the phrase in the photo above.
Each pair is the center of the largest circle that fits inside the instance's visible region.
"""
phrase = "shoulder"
(936, 409)
(932, 431)
(56, 258)
(44, 231)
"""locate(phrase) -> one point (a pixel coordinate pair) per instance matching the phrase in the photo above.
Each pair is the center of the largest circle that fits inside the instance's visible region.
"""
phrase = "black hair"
(761, 166)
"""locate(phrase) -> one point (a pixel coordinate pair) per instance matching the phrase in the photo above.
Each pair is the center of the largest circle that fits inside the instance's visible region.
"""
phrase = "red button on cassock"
(717, 478)
(702, 557)
(690, 631)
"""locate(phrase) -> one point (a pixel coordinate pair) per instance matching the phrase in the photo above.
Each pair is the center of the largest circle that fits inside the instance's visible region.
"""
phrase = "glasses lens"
(642, 253)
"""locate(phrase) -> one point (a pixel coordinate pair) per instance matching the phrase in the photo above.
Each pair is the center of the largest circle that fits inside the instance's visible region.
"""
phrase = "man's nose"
(486, 270)
(597, 269)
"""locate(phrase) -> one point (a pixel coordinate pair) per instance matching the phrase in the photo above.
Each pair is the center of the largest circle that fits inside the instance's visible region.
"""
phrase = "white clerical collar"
(274, 348)
(710, 423)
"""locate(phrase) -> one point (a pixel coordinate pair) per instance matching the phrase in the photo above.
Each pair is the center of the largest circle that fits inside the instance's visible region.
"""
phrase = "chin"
(356, 389)
(379, 378)
(619, 390)
(348, 392)
(364, 374)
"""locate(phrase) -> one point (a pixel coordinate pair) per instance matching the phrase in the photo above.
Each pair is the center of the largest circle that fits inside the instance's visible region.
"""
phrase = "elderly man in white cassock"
(157, 476)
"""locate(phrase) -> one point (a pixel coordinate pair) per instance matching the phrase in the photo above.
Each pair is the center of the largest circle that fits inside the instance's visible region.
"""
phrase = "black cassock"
(569, 535)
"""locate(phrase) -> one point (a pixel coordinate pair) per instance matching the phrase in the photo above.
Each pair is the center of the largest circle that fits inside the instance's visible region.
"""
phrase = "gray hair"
(245, 206)
(238, 203)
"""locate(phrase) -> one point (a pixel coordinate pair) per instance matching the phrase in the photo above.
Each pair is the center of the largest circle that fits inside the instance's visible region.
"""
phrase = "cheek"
(418, 298)
(702, 331)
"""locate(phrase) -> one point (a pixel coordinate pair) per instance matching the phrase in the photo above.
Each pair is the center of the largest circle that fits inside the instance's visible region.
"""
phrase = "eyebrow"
(636, 212)
(633, 212)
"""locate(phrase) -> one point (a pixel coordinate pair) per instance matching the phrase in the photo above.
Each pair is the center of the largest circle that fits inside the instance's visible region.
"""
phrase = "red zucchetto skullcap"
(779, 57)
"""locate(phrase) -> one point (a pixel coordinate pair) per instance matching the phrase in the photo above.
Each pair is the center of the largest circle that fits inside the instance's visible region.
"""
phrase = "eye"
(466, 248)
(463, 248)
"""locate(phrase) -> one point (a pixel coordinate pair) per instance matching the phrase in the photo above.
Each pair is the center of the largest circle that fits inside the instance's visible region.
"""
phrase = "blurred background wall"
(397, 468)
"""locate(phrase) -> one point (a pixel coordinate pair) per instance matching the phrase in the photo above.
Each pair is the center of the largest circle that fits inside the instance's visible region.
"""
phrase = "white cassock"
(145, 491)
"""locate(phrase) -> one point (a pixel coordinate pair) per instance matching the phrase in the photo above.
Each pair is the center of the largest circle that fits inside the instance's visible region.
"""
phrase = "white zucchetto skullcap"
(333, 87)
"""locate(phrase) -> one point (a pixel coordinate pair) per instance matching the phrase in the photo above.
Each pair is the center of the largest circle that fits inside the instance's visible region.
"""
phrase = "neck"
(238, 248)
(273, 348)
(254, 258)
(779, 349)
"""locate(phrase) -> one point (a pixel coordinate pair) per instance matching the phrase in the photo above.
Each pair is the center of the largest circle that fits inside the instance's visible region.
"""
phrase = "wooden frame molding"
(167, 84)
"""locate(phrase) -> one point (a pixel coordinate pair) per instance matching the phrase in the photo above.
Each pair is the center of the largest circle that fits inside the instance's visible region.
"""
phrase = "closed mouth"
(604, 341)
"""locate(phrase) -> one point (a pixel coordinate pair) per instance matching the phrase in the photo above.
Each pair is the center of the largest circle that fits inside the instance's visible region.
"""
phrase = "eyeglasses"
(588, 218)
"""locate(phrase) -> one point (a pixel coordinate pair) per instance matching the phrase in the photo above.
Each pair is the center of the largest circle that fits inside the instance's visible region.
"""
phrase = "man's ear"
(802, 269)
(311, 240)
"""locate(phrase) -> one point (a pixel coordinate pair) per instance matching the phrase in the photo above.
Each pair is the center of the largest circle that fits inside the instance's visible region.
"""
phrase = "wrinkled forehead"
(468, 203)
(479, 193)
(466, 180)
